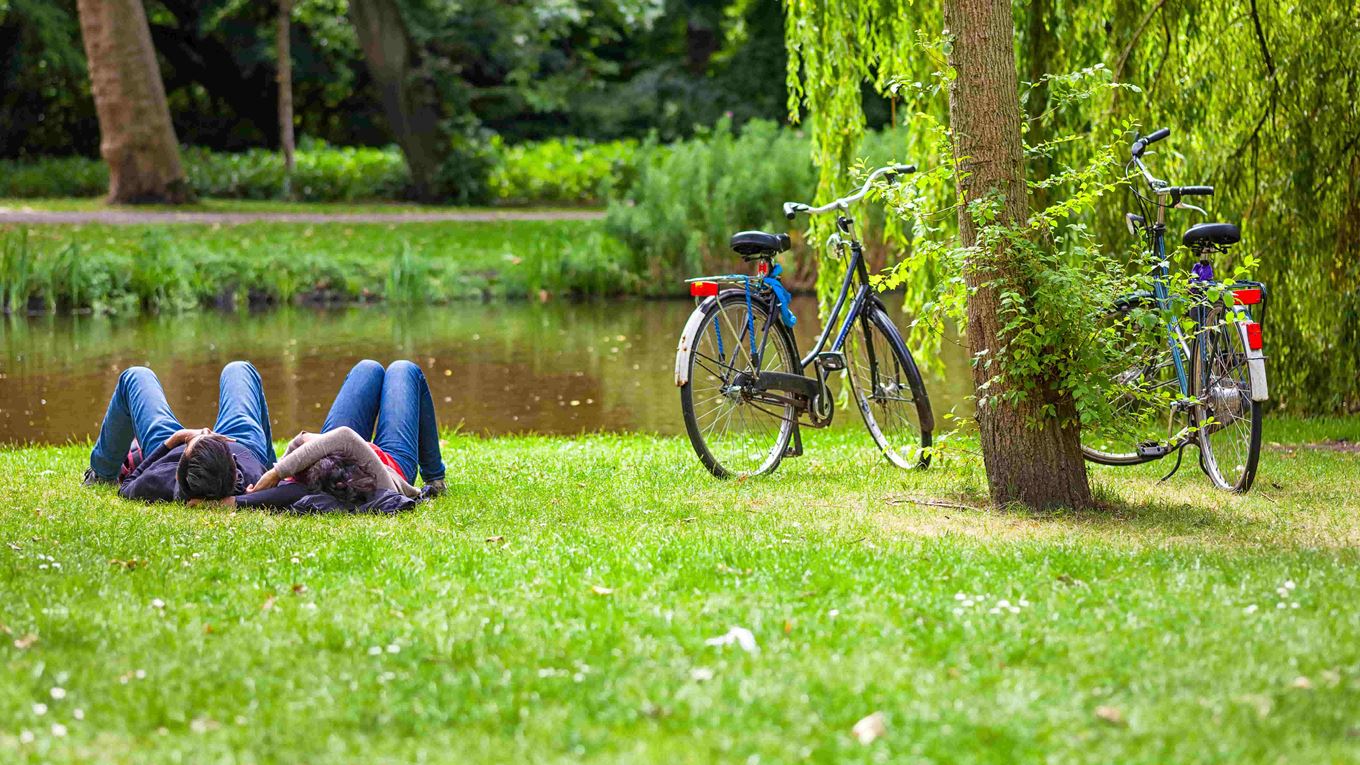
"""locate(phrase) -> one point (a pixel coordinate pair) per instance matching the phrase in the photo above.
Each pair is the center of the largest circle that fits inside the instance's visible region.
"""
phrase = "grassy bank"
(123, 269)
(556, 603)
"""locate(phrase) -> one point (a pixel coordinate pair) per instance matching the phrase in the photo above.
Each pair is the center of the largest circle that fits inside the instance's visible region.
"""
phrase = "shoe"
(94, 479)
(432, 489)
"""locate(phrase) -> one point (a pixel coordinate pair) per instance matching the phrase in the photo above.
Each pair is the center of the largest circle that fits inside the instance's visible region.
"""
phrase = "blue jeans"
(393, 409)
(139, 408)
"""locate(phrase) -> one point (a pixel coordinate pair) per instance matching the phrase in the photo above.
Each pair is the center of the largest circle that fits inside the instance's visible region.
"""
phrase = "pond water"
(494, 368)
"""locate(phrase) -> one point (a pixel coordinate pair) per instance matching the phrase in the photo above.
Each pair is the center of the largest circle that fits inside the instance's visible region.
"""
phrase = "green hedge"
(567, 171)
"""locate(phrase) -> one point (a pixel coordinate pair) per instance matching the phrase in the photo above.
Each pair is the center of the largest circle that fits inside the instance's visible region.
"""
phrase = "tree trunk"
(285, 75)
(411, 105)
(1029, 457)
(137, 139)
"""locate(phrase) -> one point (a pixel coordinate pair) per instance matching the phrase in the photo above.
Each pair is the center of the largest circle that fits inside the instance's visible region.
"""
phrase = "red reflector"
(1247, 297)
(703, 289)
(1254, 336)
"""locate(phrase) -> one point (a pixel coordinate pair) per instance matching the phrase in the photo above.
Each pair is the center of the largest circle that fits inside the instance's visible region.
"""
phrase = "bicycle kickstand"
(1180, 453)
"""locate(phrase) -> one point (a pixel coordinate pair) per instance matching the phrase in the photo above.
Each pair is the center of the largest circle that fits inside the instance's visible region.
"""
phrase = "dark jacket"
(298, 498)
(153, 480)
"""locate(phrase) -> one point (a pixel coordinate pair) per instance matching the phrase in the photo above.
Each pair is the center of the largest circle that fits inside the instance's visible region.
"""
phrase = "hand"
(184, 436)
(269, 480)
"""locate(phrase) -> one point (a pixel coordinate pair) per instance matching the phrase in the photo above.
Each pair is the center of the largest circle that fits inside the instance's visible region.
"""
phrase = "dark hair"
(207, 471)
(341, 478)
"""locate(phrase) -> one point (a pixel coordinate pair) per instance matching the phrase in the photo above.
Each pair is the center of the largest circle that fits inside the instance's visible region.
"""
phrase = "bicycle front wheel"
(735, 429)
(887, 389)
(1229, 420)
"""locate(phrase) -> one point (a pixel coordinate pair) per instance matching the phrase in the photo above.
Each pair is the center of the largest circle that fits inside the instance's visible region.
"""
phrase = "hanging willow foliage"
(1263, 99)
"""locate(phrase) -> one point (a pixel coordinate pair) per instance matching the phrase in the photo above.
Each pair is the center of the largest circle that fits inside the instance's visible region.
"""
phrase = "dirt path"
(130, 217)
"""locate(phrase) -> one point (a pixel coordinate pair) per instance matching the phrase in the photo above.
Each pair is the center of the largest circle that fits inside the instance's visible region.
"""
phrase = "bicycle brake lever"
(1188, 206)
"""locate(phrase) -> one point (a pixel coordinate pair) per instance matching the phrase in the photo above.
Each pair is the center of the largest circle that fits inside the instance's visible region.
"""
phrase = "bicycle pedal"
(831, 361)
(1152, 449)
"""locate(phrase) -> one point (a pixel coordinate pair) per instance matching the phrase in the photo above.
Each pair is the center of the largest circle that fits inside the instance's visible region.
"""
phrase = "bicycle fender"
(1256, 360)
(687, 338)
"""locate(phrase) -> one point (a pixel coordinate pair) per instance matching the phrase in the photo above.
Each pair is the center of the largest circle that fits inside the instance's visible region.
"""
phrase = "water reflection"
(493, 368)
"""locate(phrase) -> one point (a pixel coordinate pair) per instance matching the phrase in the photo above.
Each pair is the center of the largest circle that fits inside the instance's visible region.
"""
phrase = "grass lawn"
(555, 605)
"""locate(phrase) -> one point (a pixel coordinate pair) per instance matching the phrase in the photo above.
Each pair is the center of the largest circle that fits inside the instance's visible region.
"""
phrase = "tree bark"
(285, 76)
(411, 105)
(137, 139)
(1030, 457)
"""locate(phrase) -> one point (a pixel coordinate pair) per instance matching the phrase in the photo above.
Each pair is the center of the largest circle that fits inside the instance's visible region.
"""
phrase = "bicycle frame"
(1180, 350)
(863, 294)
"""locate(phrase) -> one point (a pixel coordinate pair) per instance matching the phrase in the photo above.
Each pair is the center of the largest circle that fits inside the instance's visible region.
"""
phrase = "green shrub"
(53, 177)
(566, 171)
(561, 170)
(688, 198)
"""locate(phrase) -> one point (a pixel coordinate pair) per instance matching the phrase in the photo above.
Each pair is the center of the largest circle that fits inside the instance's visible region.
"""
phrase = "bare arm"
(341, 441)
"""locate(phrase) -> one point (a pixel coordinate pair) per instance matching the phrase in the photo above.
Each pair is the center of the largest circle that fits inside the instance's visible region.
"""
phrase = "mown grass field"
(555, 606)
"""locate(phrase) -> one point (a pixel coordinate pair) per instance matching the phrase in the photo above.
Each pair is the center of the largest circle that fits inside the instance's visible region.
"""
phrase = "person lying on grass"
(185, 463)
(379, 433)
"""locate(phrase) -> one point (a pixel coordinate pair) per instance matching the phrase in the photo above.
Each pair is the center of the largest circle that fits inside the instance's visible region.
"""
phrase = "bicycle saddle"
(1202, 234)
(758, 244)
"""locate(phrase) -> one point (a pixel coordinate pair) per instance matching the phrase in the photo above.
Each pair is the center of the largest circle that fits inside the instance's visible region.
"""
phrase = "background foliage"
(1260, 98)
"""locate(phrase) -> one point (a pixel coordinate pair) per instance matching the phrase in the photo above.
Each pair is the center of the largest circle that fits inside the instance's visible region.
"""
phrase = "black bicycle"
(1172, 391)
(744, 389)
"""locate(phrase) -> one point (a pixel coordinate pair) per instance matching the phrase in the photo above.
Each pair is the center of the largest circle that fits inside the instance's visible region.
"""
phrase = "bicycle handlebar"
(1158, 186)
(1139, 145)
(1190, 191)
(791, 209)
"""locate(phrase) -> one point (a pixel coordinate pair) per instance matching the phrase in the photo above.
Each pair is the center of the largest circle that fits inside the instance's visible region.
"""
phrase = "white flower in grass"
(140, 674)
(58, 730)
(1251, 609)
(393, 648)
(58, 693)
(26, 737)
(40, 709)
(78, 713)
(374, 650)
(157, 603)
(1289, 584)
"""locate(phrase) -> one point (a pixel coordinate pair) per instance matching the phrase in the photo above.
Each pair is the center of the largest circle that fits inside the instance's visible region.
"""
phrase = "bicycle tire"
(904, 440)
(706, 390)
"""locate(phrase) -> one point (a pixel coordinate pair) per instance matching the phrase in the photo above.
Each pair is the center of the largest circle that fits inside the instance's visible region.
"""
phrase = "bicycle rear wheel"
(887, 389)
(1229, 420)
(736, 431)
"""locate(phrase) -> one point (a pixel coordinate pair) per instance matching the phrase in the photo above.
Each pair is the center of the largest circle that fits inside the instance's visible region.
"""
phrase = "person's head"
(207, 469)
(341, 478)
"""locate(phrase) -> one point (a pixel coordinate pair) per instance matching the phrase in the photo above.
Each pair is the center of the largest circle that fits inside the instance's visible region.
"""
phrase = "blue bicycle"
(745, 391)
(1175, 391)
